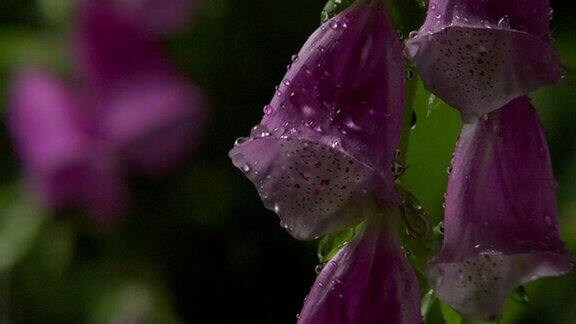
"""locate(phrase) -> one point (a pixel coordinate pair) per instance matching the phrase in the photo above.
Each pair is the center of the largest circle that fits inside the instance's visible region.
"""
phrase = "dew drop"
(240, 140)
(409, 74)
(268, 110)
(413, 121)
(413, 34)
(318, 268)
(548, 221)
(504, 23)
(246, 168)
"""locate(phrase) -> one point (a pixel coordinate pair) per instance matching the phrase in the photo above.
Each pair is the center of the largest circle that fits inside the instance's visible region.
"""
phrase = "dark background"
(198, 246)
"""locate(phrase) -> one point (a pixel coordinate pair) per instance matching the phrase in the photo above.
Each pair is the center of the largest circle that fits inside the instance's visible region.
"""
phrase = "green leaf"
(334, 7)
(20, 223)
(330, 244)
(427, 302)
(450, 315)
(415, 230)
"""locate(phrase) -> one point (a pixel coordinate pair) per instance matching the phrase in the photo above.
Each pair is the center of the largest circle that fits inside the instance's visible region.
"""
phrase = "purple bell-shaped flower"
(368, 281)
(478, 55)
(327, 139)
(501, 229)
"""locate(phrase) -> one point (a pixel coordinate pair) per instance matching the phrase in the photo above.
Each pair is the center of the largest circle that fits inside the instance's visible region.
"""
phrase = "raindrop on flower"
(240, 140)
(268, 109)
(409, 74)
(504, 23)
(548, 221)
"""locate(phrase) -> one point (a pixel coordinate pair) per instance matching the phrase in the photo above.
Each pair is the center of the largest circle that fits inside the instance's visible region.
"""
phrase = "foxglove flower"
(479, 55)
(147, 110)
(327, 139)
(368, 281)
(65, 166)
(500, 225)
(159, 17)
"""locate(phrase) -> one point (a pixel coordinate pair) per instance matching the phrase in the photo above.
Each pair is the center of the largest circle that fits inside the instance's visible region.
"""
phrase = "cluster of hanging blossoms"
(324, 157)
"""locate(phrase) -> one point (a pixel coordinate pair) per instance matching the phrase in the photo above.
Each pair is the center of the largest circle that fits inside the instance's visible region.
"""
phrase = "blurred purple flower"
(159, 17)
(134, 109)
(479, 55)
(369, 281)
(65, 165)
(501, 229)
(147, 110)
(327, 139)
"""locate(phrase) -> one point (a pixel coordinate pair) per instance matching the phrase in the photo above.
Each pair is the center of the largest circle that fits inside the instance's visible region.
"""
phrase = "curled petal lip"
(478, 70)
(478, 286)
(314, 188)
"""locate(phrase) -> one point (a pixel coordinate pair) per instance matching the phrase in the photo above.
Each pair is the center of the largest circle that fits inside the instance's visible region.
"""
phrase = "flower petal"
(313, 188)
(65, 165)
(368, 281)
(500, 224)
(479, 55)
(147, 110)
(159, 17)
(343, 95)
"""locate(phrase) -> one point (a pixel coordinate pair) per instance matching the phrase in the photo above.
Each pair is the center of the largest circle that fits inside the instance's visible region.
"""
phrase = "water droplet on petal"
(240, 140)
(504, 23)
(548, 221)
(268, 109)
